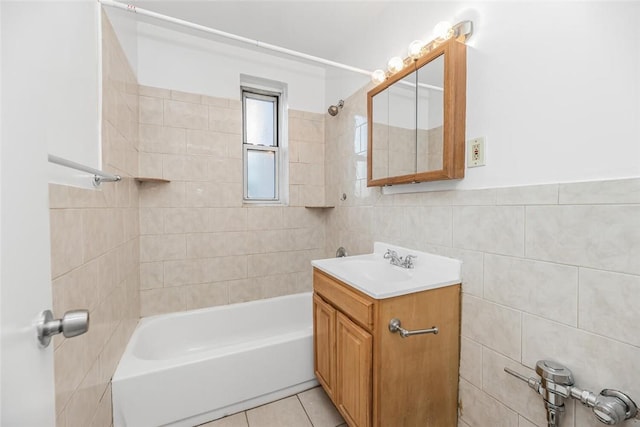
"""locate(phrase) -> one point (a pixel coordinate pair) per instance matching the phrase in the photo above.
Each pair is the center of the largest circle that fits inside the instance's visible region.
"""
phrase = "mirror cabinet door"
(380, 135)
(402, 127)
(416, 120)
(393, 129)
(430, 116)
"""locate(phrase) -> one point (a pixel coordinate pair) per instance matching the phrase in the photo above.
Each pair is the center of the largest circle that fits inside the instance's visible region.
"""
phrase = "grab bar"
(98, 176)
(396, 326)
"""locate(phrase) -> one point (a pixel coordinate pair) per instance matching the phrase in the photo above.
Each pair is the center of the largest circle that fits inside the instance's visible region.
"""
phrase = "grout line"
(304, 409)
(578, 298)
(524, 231)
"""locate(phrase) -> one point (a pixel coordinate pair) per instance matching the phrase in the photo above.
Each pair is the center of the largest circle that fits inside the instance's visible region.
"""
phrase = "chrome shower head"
(335, 109)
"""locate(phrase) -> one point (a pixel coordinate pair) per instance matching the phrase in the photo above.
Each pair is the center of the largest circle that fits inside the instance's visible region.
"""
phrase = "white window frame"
(257, 88)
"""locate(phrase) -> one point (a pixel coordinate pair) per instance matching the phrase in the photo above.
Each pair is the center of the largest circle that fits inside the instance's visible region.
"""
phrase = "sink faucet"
(394, 259)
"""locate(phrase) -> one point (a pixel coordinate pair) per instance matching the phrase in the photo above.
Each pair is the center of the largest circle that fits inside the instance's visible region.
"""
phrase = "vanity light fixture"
(442, 31)
(415, 49)
(378, 76)
(395, 64)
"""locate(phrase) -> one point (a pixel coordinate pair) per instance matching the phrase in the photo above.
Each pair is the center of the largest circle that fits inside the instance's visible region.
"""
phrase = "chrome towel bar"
(98, 176)
(396, 326)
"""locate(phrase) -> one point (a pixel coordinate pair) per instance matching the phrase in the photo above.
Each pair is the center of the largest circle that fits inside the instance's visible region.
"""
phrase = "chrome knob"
(613, 407)
(72, 324)
(554, 372)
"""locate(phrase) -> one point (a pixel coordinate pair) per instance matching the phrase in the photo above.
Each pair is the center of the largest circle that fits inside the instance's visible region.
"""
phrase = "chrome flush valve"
(556, 384)
(554, 388)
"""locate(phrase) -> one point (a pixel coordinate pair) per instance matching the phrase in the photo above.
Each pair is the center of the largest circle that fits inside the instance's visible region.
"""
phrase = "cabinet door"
(324, 342)
(354, 371)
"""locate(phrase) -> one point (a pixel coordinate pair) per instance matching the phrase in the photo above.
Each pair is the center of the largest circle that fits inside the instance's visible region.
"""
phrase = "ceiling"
(363, 34)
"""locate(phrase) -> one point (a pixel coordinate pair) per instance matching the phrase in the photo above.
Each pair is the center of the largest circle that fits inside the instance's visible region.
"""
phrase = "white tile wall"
(608, 304)
(492, 325)
(480, 409)
(526, 285)
(494, 229)
(599, 236)
(550, 271)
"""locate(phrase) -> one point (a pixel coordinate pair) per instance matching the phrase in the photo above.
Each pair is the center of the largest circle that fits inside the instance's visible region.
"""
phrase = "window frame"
(276, 97)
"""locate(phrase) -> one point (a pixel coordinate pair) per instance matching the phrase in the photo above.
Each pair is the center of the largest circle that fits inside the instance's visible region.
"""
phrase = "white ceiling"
(363, 34)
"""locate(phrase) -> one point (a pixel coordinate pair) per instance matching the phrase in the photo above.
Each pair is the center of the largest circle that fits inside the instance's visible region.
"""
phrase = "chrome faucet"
(394, 259)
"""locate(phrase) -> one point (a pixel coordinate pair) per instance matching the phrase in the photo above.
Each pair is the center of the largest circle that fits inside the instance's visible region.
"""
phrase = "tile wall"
(200, 246)
(550, 272)
(95, 256)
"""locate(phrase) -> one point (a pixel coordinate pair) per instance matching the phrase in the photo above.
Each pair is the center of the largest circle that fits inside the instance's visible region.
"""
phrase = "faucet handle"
(408, 260)
(390, 254)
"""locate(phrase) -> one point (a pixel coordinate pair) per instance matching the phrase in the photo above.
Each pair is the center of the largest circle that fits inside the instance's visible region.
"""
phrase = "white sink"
(376, 277)
(374, 270)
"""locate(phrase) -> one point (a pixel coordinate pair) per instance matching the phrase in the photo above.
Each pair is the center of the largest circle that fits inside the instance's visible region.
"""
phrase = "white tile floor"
(311, 408)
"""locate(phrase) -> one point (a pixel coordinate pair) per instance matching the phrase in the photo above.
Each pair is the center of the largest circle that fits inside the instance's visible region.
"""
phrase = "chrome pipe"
(209, 30)
(98, 176)
(517, 375)
(556, 383)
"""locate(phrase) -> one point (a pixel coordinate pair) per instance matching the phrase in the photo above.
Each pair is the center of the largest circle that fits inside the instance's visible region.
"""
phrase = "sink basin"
(376, 270)
(376, 277)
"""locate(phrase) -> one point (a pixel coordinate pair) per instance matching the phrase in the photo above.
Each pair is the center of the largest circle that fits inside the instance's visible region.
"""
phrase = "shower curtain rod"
(145, 12)
(98, 176)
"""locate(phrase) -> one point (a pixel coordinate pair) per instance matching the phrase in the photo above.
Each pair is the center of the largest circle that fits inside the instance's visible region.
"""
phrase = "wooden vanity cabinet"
(375, 377)
(354, 361)
(324, 344)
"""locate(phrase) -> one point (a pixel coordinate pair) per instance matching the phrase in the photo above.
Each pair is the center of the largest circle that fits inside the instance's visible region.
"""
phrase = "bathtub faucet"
(407, 262)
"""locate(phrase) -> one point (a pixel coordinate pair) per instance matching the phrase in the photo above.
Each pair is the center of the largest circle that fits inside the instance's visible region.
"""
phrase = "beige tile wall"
(94, 256)
(200, 245)
(550, 271)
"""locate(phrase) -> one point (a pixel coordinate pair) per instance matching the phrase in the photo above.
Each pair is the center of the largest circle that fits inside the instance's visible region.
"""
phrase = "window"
(261, 145)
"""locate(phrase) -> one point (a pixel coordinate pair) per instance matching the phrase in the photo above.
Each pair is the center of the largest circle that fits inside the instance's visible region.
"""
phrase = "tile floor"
(311, 408)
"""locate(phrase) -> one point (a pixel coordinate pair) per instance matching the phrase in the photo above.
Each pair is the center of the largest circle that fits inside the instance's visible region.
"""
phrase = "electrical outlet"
(475, 152)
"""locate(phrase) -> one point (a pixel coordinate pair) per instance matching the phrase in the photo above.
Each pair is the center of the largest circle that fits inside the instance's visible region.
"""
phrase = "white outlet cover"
(476, 150)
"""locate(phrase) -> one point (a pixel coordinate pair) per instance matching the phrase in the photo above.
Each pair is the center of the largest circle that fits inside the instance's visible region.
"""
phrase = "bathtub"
(187, 368)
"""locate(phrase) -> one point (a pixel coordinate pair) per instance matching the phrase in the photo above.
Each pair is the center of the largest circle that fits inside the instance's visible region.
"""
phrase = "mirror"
(416, 120)
(394, 121)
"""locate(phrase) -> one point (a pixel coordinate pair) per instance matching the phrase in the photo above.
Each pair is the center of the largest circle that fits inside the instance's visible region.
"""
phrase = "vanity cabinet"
(324, 342)
(375, 377)
(354, 347)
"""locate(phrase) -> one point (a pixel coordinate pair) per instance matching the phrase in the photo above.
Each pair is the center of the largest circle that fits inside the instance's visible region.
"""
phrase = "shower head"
(335, 109)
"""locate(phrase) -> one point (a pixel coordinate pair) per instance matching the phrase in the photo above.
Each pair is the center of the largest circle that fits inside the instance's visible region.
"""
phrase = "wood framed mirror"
(416, 120)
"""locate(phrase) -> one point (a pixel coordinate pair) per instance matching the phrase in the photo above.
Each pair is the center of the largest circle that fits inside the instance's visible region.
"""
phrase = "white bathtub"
(187, 368)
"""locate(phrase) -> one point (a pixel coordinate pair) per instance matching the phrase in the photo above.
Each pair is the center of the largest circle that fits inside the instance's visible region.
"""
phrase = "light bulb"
(443, 30)
(415, 48)
(378, 76)
(395, 64)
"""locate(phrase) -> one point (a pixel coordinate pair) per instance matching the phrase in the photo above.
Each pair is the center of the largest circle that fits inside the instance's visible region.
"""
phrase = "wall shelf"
(320, 207)
(149, 179)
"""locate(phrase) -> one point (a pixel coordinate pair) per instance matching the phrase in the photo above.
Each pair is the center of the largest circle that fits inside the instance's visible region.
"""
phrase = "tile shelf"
(151, 179)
